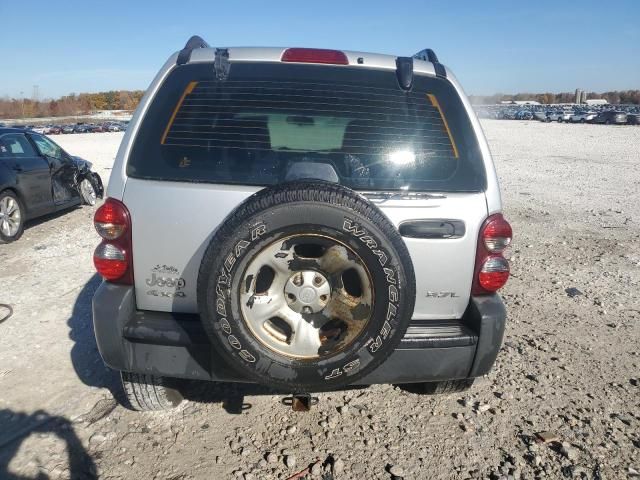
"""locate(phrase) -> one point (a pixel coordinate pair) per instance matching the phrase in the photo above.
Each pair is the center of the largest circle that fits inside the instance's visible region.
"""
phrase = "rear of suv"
(305, 219)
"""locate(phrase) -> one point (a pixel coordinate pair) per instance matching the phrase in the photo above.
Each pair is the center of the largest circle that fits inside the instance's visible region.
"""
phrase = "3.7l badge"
(441, 295)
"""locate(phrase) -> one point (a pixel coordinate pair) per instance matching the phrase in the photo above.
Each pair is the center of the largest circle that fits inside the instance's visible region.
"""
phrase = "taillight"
(492, 269)
(314, 55)
(111, 219)
(112, 258)
(494, 273)
(496, 234)
(110, 261)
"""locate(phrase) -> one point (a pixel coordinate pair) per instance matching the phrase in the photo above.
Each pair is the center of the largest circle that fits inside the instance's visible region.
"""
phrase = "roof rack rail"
(429, 55)
(194, 42)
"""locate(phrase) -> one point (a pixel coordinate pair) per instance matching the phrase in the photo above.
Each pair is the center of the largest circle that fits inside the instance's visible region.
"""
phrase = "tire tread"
(145, 392)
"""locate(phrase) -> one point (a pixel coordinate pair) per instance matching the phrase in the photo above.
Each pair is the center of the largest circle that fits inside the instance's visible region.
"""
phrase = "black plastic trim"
(404, 72)
(429, 55)
(113, 305)
(165, 329)
(433, 228)
(185, 54)
(221, 64)
(176, 345)
(487, 316)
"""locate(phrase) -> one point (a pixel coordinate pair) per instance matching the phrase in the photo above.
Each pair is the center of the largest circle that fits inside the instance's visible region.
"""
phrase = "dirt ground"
(570, 364)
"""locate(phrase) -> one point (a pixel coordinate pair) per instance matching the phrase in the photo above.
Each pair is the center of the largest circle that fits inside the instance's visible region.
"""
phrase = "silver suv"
(306, 219)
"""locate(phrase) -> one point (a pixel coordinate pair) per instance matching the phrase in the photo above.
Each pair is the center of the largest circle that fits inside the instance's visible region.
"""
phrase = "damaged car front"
(87, 182)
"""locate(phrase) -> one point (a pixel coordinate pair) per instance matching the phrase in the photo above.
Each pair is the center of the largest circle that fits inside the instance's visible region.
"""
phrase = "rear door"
(33, 178)
(207, 144)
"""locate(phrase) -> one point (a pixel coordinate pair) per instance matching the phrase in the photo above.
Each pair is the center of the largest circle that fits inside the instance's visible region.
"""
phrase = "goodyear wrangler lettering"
(392, 309)
(223, 283)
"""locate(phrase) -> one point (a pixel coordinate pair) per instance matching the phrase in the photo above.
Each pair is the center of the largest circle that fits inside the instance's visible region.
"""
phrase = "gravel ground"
(568, 371)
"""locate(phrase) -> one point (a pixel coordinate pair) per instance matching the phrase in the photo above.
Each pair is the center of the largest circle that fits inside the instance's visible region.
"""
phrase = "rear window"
(269, 122)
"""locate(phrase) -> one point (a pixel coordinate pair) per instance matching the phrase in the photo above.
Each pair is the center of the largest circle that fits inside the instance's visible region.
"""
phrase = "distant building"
(579, 95)
(519, 102)
(584, 97)
(596, 101)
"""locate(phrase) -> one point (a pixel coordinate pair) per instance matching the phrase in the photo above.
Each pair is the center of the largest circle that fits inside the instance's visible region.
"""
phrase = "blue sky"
(492, 46)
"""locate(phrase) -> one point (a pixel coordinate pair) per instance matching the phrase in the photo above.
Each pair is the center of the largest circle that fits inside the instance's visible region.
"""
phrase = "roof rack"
(193, 43)
(429, 55)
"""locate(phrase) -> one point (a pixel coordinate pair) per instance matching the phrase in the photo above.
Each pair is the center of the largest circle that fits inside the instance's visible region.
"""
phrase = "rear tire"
(439, 388)
(148, 392)
(11, 227)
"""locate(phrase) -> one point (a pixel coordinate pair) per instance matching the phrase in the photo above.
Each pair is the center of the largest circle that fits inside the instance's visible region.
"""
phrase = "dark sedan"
(38, 177)
(633, 119)
(611, 118)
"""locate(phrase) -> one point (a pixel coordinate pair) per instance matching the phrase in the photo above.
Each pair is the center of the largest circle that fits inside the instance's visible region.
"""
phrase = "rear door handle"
(433, 228)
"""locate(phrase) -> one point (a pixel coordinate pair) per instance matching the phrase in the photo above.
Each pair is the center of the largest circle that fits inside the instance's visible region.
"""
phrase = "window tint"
(268, 121)
(16, 145)
(47, 147)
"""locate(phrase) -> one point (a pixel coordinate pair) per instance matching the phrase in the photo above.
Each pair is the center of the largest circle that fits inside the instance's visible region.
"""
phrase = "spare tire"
(307, 286)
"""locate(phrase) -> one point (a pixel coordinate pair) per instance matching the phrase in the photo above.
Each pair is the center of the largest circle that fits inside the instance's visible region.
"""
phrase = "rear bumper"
(175, 345)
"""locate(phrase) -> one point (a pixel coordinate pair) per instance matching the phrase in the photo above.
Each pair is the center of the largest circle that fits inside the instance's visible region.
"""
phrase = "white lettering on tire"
(346, 369)
(359, 232)
(223, 284)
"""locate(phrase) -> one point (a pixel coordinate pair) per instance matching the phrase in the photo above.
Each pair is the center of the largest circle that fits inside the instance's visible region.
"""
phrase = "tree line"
(615, 97)
(85, 103)
(70, 105)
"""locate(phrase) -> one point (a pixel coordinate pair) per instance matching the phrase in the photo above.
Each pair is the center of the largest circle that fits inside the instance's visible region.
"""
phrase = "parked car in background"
(40, 129)
(633, 118)
(582, 117)
(565, 116)
(68, 129)
(552, 116)
(55, 130)
(540, 115)
(524, 115)
(611, 117)
(114, 127)
(38, 177)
